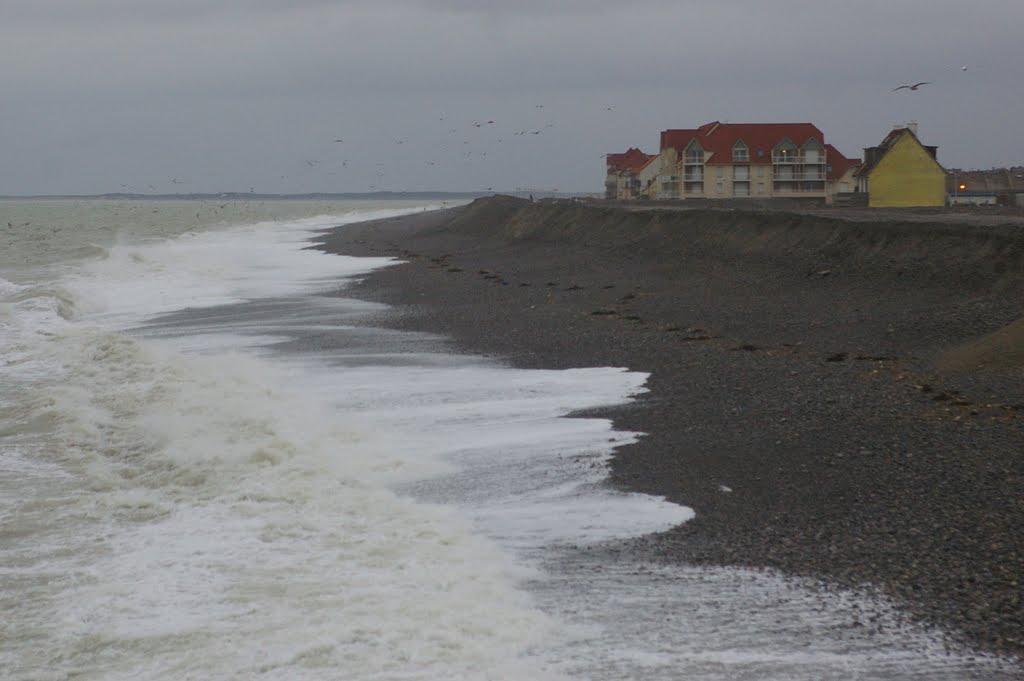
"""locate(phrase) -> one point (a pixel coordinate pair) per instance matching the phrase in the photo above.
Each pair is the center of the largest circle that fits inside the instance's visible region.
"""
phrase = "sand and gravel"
(842, 399)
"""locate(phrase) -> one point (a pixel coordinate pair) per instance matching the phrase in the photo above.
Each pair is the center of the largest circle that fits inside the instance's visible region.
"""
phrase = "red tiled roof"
(633, 159)
(837, 163)
(760, 139)
(677, 139)
(717, 139)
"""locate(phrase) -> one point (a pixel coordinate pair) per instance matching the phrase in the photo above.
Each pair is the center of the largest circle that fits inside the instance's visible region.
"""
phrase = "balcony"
(798, 159)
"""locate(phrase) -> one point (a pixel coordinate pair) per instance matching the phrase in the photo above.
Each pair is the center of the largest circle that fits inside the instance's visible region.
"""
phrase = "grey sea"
(216, 464)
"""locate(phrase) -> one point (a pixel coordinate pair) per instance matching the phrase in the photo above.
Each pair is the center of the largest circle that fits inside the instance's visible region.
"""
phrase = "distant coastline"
(319, 196)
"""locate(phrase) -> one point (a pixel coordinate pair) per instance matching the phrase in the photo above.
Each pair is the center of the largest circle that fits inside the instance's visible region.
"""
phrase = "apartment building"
(745, 160)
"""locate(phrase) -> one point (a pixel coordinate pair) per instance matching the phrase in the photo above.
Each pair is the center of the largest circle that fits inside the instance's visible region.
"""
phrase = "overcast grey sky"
(218, 95)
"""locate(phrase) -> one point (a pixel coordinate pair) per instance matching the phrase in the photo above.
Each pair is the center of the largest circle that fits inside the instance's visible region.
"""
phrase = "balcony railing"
(809, 174)
(811, 159)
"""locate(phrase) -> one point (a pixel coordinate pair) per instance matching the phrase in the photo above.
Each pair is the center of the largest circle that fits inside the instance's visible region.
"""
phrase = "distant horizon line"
(304, 195)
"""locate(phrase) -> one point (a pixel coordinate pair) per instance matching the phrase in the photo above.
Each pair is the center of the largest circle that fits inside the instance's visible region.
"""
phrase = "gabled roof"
(632, 159)
(837, 163)
(760, 139)
(718, 139)
(874, 155)
(676, 139)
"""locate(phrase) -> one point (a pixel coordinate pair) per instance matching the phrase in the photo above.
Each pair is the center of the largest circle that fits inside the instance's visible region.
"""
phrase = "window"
(785, 152)
(740, 153)
(694, 153)
(813, 152)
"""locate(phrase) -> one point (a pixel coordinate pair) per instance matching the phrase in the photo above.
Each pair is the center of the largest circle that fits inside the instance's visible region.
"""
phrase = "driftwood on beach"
(834, 397)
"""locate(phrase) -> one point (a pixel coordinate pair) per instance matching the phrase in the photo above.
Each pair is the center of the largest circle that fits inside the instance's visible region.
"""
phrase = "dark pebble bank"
(793, 403)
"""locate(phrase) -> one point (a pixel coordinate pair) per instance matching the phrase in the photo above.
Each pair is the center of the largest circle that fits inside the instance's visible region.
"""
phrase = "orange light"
(963, 186)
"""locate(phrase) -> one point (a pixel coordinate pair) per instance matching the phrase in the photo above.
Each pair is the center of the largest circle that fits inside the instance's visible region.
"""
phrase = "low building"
(967, 198)
(751, 160)
(840, 174)
(1006, 185)
(629, 175)
(901, 172)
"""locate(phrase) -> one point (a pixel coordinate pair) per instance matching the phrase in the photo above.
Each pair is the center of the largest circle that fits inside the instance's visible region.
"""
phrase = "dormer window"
(694, 153)
(740, 152)
(785, 152)
(813, 151)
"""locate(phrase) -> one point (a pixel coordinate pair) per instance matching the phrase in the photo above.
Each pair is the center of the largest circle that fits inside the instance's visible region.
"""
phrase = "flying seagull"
(912, 87)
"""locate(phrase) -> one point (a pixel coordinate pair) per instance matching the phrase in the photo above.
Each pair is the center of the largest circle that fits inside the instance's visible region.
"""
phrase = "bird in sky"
(912, 87)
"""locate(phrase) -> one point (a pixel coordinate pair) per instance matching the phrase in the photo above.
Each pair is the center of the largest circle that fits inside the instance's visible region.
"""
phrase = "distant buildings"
(901, 172)
(734, 161)
(985, 187)
(628, 174)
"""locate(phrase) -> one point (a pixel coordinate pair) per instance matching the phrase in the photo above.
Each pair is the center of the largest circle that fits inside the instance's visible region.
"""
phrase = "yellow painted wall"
(906, 176)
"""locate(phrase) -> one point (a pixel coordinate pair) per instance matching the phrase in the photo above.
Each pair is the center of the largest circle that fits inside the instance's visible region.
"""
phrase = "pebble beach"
(836, 399)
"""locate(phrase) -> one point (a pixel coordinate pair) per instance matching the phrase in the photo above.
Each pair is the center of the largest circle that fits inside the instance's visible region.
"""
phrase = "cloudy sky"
(232, 95)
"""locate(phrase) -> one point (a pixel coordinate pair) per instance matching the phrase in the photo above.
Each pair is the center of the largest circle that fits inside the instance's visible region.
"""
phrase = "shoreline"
(794, 400)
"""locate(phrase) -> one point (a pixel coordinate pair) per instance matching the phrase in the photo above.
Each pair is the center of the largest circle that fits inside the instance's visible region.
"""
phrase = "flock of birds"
(456, 142)
(465, 144)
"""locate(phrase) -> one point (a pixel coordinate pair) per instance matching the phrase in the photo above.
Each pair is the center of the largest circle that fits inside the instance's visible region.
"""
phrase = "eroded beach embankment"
(984, 258)
(832, 398)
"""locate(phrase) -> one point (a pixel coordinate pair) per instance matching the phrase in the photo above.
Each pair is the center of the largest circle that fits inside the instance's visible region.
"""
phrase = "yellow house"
(901, 172)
